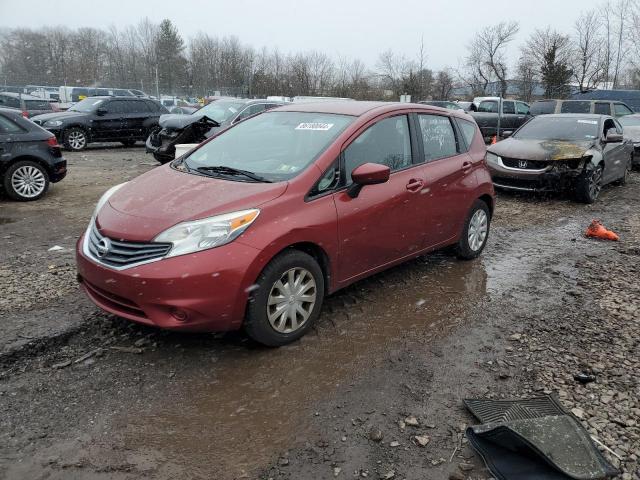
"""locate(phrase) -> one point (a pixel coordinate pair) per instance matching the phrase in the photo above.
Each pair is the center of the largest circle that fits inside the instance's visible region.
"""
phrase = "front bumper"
(201, 292)
(555, 176)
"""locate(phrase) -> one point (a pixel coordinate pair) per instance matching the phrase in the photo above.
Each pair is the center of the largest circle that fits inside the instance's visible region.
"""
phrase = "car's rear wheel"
(475, 233)
(588, 185)
(286, 299)
(26, 181)
(75, 138)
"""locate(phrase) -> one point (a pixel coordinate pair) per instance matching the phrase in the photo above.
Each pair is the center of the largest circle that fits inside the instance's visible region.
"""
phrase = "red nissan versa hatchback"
(254, 227)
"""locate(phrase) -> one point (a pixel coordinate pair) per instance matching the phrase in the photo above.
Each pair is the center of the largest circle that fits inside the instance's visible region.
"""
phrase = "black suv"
(30, 157)
(103, 119)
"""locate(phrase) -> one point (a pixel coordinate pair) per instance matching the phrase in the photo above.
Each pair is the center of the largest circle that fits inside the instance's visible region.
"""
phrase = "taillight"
(52, 142)
(25, 114)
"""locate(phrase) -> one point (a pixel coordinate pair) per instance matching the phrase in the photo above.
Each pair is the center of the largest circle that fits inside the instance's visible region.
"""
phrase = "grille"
(531, 164)
(118, 253)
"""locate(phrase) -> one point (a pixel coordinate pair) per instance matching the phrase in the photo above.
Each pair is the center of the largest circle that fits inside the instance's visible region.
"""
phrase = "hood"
(57, 116)
(632, 133)
(163, 197)
(541, 149)
(177, 121)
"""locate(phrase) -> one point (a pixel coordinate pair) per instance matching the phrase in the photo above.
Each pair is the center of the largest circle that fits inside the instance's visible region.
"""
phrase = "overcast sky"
(353, 28)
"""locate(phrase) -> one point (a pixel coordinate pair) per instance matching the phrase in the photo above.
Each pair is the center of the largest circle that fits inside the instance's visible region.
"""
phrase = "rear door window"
(602, 108)
(386, 142)
(37, 105)
(7, 101)
(115, 107)
(543, 107)
(138, 106)
(438, 137)
(575, 107)
(508, 107)
(468, 130)
(621, 110)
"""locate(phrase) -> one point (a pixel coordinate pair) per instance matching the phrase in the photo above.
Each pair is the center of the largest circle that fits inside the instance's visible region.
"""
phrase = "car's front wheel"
(475, 233)
(26, 181)
(286, 300)
(75, 138)
(588, 185)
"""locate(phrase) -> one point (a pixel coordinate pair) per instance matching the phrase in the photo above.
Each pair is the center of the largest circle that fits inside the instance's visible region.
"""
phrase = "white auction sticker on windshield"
(323, 127)
(590, 122)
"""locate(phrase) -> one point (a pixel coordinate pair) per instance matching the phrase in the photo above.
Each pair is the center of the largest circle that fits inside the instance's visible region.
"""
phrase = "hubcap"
(291, 300)
(76, 140)
(28, 181)
(595, 182)
(478, 228)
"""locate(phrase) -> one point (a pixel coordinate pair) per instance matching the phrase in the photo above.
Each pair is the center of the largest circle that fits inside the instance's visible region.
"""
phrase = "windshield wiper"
(234, 171)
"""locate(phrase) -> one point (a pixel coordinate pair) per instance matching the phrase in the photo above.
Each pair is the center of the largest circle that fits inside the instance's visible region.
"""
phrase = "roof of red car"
(343, 107)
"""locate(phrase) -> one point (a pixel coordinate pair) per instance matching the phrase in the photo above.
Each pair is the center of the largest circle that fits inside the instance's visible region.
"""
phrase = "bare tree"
(487, 51)
(589, 57)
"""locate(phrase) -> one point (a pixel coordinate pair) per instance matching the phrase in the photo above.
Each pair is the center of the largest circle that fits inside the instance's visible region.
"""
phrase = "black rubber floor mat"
(534, 439)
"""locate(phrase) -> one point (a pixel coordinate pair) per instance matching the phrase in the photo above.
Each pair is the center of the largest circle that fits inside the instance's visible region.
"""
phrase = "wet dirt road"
(86, 395)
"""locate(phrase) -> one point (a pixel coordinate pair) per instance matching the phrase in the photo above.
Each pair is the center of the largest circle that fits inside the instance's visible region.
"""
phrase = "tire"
(26, 181)
(588, 185)
(475, 232)
(75, 139)
(128, 143)
(273, 324)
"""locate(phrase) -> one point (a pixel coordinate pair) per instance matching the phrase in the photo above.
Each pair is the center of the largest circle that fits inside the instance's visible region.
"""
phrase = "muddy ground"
(85, 395)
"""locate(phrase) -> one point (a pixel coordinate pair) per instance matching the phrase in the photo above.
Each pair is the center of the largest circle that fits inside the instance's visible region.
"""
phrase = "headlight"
(493, 158)
(105, 197)
(52, 123)
(189, 237)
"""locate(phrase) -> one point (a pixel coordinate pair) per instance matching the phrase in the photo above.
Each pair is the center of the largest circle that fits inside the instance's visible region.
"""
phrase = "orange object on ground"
(597, 230)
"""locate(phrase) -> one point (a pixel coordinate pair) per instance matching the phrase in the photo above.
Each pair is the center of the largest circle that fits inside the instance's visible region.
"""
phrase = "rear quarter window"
(575, 107)
(468, 130)
(9, 126)
(543, 108)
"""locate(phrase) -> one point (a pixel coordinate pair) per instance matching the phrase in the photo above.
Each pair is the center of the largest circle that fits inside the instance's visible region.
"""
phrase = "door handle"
(415, 184)
(466, 166)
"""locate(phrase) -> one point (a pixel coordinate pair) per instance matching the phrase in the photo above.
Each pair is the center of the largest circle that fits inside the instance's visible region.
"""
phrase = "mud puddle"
(253, 403)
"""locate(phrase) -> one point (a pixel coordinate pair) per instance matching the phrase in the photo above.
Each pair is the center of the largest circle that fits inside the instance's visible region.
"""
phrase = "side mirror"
(367, 174)
(613, 136)
(506, 134)
(101, 111)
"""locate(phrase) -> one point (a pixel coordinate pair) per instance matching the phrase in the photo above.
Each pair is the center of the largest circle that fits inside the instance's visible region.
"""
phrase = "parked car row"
(217, 254)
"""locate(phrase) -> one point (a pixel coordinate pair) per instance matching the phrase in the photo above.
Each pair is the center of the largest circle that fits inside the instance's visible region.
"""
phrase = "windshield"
(86, 105)
(221, 111)
(559, 128)
(630, 121)
(275, 145)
